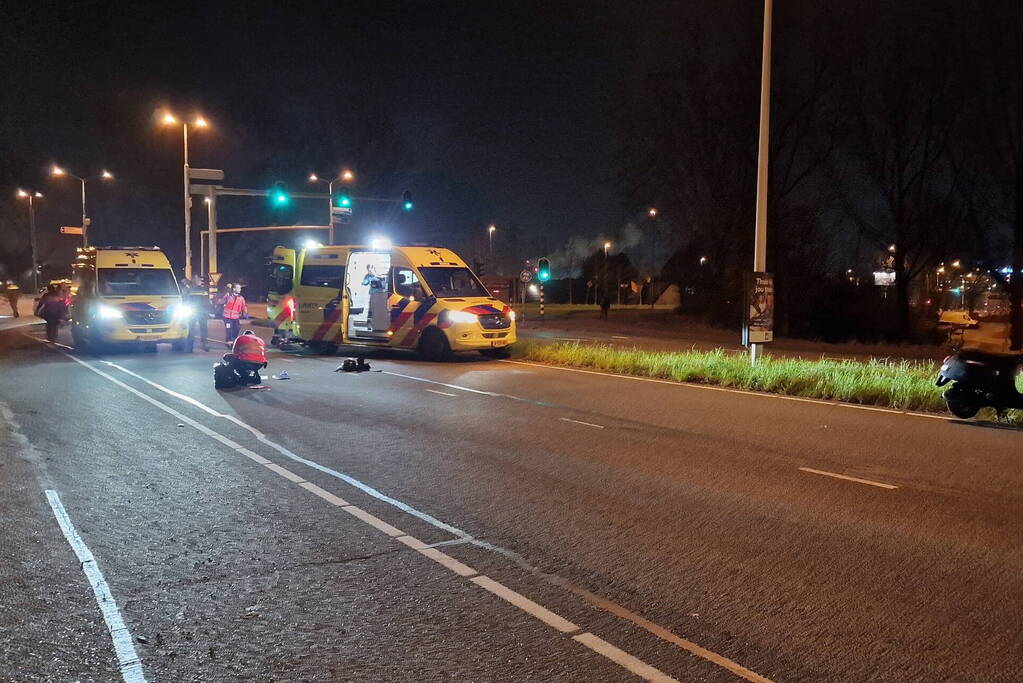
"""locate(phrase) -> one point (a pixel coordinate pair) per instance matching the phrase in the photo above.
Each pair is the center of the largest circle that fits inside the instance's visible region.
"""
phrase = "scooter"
(980, 379)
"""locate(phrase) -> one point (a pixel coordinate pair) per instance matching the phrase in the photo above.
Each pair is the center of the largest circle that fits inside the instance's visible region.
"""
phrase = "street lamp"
(763, 148)
(652, 212)
(346, 176)
(607, 245)
(490, 233)
(169, 119)
(31, 197)
(59, 172)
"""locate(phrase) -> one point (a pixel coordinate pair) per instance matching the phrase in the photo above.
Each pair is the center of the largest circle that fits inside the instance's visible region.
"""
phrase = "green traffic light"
(280, 198)
(543, 270)
(408, 206)
(344, 200)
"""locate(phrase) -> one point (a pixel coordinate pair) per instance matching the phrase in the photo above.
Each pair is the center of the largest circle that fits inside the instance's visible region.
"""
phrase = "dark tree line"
(897, 130)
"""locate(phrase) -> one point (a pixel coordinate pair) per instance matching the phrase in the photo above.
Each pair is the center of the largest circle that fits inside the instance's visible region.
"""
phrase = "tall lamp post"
(169, 119)
(59, 172)
(31, 197)
(490, 232)
(760, 240)
(607, 245)
(346, 176)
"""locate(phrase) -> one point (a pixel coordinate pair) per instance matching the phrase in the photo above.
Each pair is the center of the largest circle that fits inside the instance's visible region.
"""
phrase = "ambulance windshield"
(447, 282)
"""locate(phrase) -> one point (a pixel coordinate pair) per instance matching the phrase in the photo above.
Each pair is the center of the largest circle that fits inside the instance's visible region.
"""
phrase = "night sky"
(487, 112)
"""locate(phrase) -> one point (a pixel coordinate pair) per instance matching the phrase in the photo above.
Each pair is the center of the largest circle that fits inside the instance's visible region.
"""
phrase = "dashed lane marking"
(848, 478)
(597, 601)
(580, 422)
(522, 602)
(442, 393)
(127, 657)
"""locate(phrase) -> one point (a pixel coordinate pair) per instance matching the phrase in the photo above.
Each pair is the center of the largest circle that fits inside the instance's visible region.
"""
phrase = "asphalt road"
(489, 521)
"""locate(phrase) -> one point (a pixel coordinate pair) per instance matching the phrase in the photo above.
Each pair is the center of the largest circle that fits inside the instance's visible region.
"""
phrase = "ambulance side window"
(281, 277)
(406, 283)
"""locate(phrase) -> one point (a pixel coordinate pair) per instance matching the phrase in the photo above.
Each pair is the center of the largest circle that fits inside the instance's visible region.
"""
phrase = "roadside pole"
(760, 239)
(541, 304)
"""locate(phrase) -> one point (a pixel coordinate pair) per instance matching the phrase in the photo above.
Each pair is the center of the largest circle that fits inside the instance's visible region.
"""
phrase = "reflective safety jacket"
(249, 347)
(234, 306)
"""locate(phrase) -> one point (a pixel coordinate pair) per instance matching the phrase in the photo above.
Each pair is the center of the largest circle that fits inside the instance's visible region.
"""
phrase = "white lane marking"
(325, 495)
(373, 521)
(553, 579)
(448, 561)
(708, 387)
(522, 602)
(622, 658)
(525, 604)
(580, 422)
(459, 387)
(848, 478)
(127, 657)
(442, 393)
(618, 336)
(287, 474)
(253, 456)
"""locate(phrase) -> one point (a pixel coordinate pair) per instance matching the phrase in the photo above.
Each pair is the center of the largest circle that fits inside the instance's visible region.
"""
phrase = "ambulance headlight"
(183, 312)
(108, 312)
(511, 316)
(463, 317)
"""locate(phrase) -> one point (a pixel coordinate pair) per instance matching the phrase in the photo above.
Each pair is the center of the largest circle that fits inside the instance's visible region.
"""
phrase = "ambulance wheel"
(434, 345)
(499, 353)
(184, 345)
(223, 376)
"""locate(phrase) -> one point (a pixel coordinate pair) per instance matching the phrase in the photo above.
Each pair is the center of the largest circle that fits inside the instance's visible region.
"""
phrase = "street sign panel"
(205, 174)
(759, 312)
(526, 275)
(202, 189)
(70, 230)
(341, 210)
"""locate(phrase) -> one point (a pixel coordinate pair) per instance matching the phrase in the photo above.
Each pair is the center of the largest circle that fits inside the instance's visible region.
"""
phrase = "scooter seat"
(1002, 361)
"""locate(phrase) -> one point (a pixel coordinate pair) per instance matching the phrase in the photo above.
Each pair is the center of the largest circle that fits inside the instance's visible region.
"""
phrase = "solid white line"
(525, 604)
(448, 561)
(580, 422)
(602, 603)
(848, 478)
(708, 387)
(616, 336)
(127, 657)
(622, 658)
(442, 393)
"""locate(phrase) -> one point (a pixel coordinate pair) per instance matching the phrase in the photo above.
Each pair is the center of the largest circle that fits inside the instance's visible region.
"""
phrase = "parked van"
(411, 297)
(129, 295)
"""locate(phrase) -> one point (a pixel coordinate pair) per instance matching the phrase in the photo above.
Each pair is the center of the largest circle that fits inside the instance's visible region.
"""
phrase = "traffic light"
(406, 200)
(279, 197)
(344, 200)
(543, 269)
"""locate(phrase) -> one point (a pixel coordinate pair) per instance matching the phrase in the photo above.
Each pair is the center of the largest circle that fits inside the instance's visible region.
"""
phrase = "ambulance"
(406, 297)
(127, 295)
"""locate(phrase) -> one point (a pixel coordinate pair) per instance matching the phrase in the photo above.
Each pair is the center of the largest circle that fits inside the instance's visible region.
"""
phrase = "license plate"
(147, 337)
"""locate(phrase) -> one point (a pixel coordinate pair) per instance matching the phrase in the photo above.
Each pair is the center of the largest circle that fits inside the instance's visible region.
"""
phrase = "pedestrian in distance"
(12, 293)
(605, 305)
(199, 298)
(234, 310)
(52, 308)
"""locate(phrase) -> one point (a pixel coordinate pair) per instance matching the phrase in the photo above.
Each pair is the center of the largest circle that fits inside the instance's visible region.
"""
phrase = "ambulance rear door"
(280, 301)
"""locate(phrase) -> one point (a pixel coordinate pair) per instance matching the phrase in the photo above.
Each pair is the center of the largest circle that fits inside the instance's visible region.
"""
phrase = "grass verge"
(900, 384)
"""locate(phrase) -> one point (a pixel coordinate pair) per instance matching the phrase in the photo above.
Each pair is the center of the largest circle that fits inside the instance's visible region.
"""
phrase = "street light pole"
(32, 196)
(188, 205)
(760, 239)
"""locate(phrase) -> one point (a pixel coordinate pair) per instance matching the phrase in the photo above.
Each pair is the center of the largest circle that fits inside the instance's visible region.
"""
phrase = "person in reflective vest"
(234, 309)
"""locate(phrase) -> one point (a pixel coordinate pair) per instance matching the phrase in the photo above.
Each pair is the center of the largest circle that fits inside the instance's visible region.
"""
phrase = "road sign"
(759, 323)
(341, 210)
(205, 174)
(70, 230)
(526, 275)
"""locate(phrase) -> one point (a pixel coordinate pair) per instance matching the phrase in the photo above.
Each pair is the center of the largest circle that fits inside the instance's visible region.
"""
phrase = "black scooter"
(980, 379)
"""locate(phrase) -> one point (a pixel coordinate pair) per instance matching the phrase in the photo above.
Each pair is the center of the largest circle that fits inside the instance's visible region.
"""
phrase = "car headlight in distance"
(463, 317)
(183, 312)
(108, 312)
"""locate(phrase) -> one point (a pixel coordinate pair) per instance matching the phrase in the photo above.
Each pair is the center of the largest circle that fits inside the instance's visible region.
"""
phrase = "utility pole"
(188, 208)
(760, 239)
